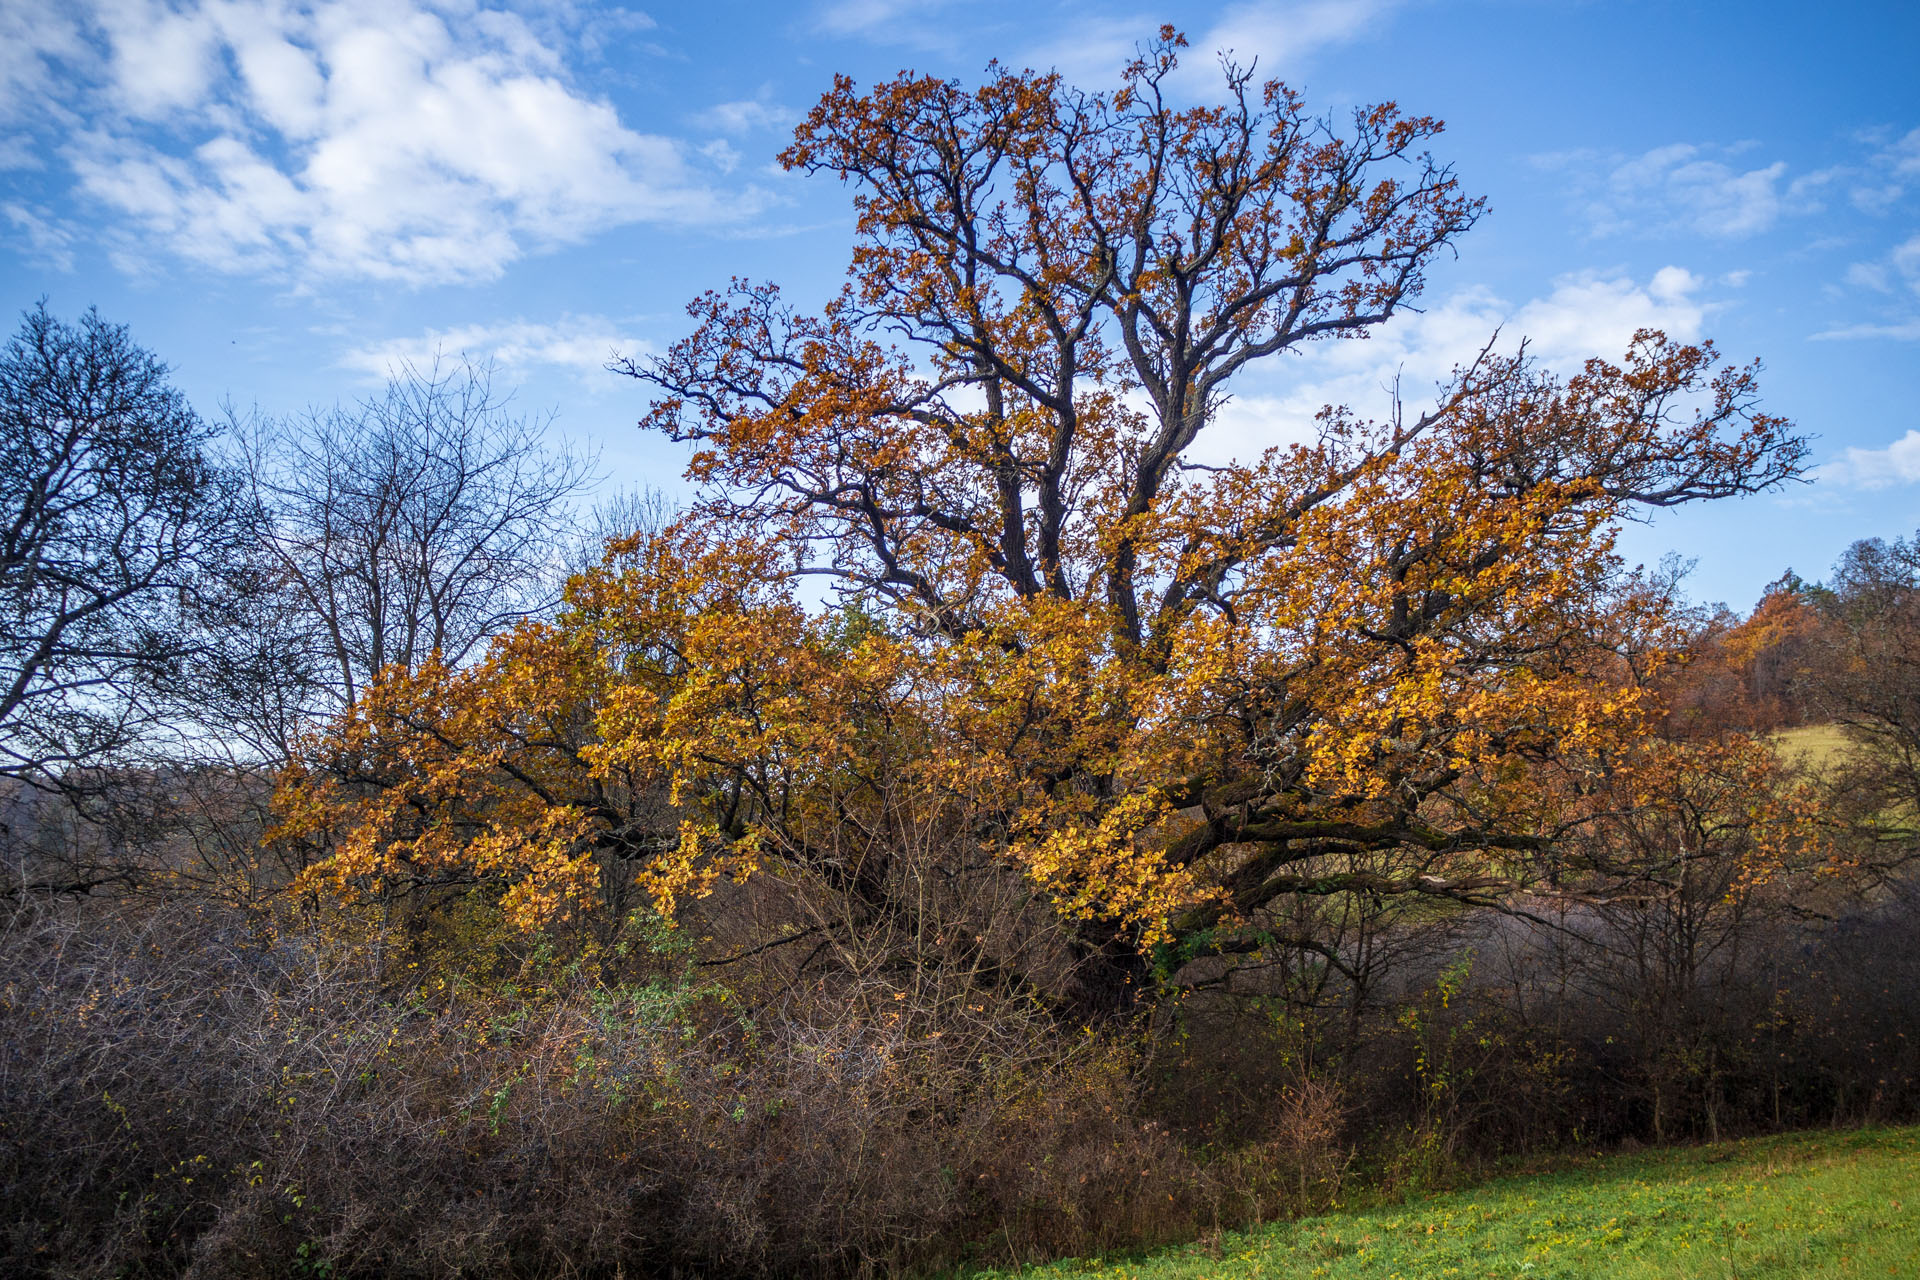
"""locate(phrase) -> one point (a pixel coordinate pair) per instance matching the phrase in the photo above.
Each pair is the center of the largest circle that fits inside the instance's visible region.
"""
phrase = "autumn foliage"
(1400, 658)
(997, 817)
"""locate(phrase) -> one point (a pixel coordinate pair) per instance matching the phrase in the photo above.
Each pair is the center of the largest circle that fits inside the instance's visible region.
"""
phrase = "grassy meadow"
(1814, 745)
(1809, 1205)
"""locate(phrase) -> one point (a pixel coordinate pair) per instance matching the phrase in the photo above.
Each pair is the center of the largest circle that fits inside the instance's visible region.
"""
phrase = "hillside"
(1802, 1205)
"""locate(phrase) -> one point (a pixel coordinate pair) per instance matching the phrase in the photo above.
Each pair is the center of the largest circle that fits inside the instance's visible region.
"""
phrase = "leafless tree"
(121, 542)
(420, 521)
(645, 511)
(1868, 681)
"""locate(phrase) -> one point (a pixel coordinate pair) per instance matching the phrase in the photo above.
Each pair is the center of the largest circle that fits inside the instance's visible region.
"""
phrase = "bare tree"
(1868, 681)
(120, 541)
(421, 521)
(645, 511)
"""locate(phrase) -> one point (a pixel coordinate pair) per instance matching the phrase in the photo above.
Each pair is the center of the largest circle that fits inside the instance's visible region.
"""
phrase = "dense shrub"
(197, 1091)
(192, 1092)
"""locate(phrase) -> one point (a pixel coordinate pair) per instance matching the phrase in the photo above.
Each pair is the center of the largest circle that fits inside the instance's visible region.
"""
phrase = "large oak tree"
(1400, 658)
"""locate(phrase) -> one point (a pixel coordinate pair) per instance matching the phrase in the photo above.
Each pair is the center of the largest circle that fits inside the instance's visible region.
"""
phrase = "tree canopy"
(1402, 657)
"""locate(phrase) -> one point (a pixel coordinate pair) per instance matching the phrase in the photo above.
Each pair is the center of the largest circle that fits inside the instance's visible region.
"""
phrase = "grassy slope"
(1801, 1205)
(1818, 745)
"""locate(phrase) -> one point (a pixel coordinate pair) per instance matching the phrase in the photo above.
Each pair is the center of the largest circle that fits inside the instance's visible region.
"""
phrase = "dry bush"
(199, 1092)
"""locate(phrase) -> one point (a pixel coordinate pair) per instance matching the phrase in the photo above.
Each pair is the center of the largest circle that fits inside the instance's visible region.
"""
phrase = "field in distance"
(1807, 1205)
(1817, 745)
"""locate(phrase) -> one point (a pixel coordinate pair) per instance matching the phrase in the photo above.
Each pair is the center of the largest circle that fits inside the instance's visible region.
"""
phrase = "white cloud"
(36, 38)
(593, 27)
(747, 116)
(1898, 330)
(1093, 53)
(1906, 260)
(160, 62)
(1901, 266)
(1684, 185)
(1870, 275)
(1898, 463)
(909, 22)
(1282, 34)
(1879, 183)
(1586, 314)
(1876, 198)
(1902, 156)
(1277, 37)
(580, 344)
(46, 240)
(416, 141)
(1711, 190)
(1591, 314)
(722, 155)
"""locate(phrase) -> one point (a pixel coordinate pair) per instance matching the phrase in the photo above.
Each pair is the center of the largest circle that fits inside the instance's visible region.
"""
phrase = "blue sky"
(284, 199)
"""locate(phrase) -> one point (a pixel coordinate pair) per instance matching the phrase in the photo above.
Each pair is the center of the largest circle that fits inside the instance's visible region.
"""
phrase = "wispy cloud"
(905, 22)
(1895, 276)
(1901, 156)
(37, 39)
(1280, 35)
(1897, 330)
(1093, 53)
(415, 141)
(1277, 37)
(46, 240)
(1877, 186)
(1721, 191)
(1898, 463)
(580, 344)
(750, 115)
(1685, 186)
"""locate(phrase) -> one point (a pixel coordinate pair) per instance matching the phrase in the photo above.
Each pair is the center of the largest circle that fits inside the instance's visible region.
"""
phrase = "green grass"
(1802, 1205)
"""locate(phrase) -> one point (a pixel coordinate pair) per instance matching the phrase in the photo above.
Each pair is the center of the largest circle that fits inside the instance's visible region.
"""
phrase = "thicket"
(191, 1088)
(1133, 847)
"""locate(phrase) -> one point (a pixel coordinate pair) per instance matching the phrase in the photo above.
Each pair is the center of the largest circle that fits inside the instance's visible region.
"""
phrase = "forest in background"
(972, 828)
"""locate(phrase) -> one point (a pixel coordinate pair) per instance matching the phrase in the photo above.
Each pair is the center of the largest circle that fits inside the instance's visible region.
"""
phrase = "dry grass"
(1814, 746)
